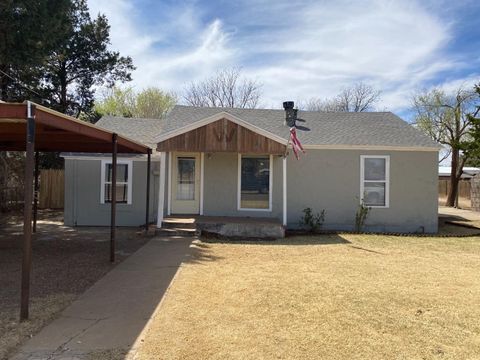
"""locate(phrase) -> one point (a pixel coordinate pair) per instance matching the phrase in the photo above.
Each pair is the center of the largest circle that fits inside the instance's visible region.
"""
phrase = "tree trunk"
(63, 88)
(454, 179)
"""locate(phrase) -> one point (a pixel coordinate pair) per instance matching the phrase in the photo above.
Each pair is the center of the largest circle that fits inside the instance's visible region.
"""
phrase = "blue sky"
(301, 49)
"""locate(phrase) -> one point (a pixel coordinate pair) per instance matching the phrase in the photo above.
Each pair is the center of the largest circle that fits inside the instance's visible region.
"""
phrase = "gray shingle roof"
(138, 129)
(316, 128)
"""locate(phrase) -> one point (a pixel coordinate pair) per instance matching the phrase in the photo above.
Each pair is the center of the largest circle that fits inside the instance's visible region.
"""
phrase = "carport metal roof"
(32, 128)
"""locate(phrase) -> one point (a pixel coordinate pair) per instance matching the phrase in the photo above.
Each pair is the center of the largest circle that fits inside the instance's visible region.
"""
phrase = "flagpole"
(286, 147)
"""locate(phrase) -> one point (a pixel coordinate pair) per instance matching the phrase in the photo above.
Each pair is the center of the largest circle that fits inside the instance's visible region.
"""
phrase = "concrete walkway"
(106, 320)
(462, 214)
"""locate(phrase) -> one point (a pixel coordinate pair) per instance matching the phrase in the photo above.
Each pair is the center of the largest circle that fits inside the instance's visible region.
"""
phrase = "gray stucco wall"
(322, 179)
(330, 180)
(221, 187)
(82, 195)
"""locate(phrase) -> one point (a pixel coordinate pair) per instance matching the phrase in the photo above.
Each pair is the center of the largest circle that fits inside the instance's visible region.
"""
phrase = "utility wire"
(20, 83)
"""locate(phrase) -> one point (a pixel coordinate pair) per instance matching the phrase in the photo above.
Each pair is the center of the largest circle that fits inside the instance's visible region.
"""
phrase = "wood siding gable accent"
(222, 136)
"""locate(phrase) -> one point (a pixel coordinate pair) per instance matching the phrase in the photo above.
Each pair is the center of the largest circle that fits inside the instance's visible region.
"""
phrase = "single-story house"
(239, 163)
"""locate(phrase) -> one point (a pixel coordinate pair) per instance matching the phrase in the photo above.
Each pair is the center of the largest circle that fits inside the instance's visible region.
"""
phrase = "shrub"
(312, 222)
(361, 216)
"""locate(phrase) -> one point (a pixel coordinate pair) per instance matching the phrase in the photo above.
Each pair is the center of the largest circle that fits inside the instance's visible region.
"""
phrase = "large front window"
(124, 179)
(374, 183)
(255, 182)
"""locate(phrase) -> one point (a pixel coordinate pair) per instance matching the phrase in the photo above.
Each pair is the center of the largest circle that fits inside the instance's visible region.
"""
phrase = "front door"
(185, 183)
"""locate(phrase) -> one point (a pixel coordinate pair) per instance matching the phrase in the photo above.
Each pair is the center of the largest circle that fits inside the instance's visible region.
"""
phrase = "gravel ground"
(66, 262)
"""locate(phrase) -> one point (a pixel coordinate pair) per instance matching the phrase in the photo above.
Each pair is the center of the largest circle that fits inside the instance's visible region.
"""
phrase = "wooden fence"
(52, 188)
(463, 188)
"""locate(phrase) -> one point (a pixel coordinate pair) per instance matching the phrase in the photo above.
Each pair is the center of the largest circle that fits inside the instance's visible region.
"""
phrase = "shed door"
(186, 183)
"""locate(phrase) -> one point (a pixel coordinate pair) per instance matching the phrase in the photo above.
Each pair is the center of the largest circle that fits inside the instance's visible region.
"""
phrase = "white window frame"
(239, 182)
(386, 181)
(129, 164)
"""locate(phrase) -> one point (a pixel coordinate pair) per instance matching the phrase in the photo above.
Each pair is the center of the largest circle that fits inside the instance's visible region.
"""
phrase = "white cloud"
(296, 49)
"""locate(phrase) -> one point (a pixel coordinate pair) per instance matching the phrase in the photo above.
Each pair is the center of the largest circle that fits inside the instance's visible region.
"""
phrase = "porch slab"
(231, 226)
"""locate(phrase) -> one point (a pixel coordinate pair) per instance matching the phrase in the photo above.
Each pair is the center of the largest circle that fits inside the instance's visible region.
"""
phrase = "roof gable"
(222, 135)
(219, 116)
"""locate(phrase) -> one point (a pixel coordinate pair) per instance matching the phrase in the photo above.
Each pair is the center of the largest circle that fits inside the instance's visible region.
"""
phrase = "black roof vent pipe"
(290, 113)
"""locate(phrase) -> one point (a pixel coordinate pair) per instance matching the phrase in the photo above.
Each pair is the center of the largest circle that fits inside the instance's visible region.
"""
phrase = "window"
(255, 182)
(124, 182)
(186, 178)
(374, 181)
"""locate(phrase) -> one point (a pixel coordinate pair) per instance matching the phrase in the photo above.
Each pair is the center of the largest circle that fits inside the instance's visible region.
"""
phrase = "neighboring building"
(468, 172)
(231, 162)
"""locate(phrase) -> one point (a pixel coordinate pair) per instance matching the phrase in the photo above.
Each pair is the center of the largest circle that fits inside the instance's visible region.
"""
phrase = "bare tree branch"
(226, 88)
(445, 118)
(357, 98)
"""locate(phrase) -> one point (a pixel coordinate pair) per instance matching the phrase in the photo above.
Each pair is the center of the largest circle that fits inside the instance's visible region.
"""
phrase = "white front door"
(185, 183)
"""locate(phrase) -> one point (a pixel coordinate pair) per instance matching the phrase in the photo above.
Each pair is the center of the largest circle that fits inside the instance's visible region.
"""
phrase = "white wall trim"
(387, 178)
(161, 190)
(371, 147)
(129, 183)
(284, 184)
(216, 117)
(202, 177)
(169, 187)
(239, 185)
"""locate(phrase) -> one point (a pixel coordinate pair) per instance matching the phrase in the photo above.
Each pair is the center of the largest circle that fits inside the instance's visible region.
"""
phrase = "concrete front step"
(179, 231)
(235, 227)
(175, 224)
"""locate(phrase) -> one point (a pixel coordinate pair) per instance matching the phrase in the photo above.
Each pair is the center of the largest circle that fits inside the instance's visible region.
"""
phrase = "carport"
(34, 128)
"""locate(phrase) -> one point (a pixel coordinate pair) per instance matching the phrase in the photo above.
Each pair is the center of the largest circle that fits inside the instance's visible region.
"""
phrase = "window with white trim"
(375, 180)
(124, 182)
(255, 182)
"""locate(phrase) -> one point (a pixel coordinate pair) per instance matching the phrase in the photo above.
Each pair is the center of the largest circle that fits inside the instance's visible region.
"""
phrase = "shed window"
(255, 182)
(374, 183)
(124, 182)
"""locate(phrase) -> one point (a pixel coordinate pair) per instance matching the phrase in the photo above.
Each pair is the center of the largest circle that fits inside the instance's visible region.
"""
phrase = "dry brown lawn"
(324, 297)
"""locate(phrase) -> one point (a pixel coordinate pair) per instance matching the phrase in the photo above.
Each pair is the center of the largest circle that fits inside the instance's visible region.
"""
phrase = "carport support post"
(113, 198)
(149, 164)
(35, 194)
(27, 213)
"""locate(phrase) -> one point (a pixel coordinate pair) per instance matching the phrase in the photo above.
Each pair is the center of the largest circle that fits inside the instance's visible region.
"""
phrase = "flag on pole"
(296, 145)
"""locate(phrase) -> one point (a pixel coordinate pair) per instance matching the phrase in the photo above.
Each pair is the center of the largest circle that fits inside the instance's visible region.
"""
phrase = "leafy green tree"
(116, 102)
(445, 118)
(148, 103)
(153, 103)
(471, 147)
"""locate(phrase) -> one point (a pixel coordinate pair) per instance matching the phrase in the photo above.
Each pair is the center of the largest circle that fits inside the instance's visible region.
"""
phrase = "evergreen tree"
(29, 31)
(471, 146)
(81, 61)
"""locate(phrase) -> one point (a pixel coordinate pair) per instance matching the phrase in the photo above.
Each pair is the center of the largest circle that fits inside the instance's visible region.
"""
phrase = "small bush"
(312, 222)
(361, 216)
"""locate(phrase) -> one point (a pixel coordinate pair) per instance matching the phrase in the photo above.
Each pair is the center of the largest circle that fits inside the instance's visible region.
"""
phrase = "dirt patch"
(66, 262)
(324, 297)
(463, 203)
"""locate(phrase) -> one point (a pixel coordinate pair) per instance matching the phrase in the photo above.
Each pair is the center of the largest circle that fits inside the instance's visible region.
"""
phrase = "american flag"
(296, 145)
